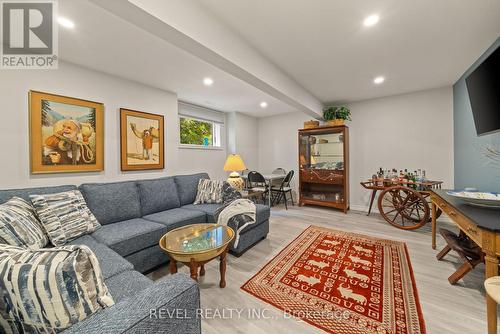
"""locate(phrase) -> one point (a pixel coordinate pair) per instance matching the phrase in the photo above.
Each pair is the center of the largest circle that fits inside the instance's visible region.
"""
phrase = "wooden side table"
(197, 244)
(193, 265)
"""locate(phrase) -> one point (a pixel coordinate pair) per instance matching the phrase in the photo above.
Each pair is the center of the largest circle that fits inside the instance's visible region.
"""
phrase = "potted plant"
(336, 116)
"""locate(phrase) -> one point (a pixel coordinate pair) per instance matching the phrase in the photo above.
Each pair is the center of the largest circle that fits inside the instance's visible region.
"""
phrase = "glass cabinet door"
(322, 151)
(322, 163)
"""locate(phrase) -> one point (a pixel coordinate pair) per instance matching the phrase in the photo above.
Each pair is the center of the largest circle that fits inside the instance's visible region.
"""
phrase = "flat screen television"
(483, 86)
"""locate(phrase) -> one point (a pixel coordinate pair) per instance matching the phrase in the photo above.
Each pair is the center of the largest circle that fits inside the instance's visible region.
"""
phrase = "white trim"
(189, 104)
(201, 113)
(200, 118)
(364, 208)
(200, 147)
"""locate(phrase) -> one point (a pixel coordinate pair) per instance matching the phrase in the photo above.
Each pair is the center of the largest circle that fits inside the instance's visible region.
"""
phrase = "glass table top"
(197, 238)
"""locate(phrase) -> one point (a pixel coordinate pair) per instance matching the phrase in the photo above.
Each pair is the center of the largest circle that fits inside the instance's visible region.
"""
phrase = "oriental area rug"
(343, 283)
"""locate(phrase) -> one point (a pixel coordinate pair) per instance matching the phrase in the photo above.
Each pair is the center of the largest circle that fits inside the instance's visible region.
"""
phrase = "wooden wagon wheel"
(426, 196)
(403, 207)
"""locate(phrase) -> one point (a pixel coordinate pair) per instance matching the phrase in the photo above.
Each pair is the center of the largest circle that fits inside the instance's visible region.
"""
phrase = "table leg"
(222, 268)
(193, 268)
(269, 192)
(173, 265)
(202, 270)
(434, 223)
(374, 192)
(491, 262)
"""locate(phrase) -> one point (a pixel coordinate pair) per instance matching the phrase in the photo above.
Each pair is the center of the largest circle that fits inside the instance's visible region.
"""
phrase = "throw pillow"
(65, 216)
(209, 192)
(19, 225)
(229, 194)
(50, 289)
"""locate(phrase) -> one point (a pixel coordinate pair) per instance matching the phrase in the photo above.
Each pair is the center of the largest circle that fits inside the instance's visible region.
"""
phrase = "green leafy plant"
(194, 132)
(331, 113)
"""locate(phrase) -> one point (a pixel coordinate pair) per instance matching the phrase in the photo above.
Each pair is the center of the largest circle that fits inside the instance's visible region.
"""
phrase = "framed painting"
(66, 134)
(141, 140)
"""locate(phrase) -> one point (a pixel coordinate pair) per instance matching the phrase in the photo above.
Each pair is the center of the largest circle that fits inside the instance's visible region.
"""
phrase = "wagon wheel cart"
(403, 204)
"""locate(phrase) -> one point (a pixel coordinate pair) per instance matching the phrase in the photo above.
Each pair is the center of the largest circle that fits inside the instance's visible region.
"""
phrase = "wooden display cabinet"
(324, 167)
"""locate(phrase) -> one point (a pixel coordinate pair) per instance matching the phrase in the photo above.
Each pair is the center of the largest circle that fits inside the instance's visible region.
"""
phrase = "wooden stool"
(468, 251)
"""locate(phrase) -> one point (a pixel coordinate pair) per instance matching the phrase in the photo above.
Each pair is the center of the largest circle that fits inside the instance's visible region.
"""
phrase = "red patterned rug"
(343, 283)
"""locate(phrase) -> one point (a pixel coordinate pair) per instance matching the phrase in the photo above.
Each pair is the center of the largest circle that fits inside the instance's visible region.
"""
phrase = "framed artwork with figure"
(66, 134)
(141, 140)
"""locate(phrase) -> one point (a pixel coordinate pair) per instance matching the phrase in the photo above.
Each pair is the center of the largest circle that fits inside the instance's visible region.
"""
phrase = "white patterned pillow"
(209, 192)
(65, 216)
(19, 225)
(50, 289)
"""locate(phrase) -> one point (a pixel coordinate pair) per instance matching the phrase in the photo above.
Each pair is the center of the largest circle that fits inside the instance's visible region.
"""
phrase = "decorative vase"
(336, 122)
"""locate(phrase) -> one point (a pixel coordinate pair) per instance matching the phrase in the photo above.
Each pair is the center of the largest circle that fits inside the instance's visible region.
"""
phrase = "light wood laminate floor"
(446, 308)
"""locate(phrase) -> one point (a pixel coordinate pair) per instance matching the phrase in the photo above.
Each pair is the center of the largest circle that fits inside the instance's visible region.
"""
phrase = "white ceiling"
(323, 45)
(104, 42)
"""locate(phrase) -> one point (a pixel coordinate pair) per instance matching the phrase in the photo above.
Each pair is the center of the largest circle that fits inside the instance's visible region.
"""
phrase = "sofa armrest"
(168, 306)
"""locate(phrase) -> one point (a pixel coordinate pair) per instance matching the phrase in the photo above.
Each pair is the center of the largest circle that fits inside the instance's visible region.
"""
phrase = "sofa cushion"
(64, 216)
(112, 202)
(263, 211)
(50, 289)
(127, 284)
(208, 209)
(148, 258)
(130, 236)
(187, 186)
(209, 192)
(111, 263)
(158, 195)
(25, 193)
(177, 217)
(19, 225)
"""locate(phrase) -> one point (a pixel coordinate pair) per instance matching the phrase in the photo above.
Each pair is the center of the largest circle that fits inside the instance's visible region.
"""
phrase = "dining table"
(269, 180)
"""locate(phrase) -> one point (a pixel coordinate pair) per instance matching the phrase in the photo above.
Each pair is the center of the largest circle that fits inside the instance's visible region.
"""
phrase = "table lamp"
(233, 164)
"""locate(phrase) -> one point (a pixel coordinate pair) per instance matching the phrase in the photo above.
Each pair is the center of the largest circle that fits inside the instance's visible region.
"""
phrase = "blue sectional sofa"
(134, 215)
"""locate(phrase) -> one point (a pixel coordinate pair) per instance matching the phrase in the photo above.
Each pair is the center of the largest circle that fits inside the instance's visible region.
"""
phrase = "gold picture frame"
(141, 140)
(66, 134)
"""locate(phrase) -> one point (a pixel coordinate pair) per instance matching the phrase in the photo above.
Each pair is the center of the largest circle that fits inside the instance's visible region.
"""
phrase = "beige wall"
(411, 130)
(404, 131)
(75, 81)
(242, 131)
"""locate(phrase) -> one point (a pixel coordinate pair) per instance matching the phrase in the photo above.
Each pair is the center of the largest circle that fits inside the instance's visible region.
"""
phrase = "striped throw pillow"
(65, 216)
(19, 225)
(50, 289)
(209, 192)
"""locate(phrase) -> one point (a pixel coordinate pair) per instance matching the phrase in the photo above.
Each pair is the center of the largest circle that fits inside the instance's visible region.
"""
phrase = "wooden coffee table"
(194, 245)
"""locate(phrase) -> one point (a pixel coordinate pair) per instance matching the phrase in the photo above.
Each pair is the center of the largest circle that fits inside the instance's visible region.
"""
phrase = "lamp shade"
(234, 163)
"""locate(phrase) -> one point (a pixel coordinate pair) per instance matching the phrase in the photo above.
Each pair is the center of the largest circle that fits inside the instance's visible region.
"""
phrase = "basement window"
(199, 127)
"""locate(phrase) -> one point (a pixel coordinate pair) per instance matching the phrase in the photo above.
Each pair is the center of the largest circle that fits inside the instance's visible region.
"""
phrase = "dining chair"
(245, 173)
(284, 188)
(257, 182)
(278, 171)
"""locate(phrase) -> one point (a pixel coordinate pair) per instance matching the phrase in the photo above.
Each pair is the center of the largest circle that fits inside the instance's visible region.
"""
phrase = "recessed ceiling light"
(263, 104)
(208, 81)
(371, 20)
(379, 80)
(67, 23)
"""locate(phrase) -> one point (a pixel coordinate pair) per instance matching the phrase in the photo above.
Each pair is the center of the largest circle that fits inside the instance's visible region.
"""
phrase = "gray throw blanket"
(236, 212)
(242, 212)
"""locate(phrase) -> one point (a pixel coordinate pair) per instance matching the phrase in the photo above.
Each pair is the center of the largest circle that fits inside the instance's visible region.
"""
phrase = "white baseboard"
(364, 208)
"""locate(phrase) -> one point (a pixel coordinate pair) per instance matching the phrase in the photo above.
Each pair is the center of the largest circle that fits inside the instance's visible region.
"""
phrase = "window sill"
(201, 147)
